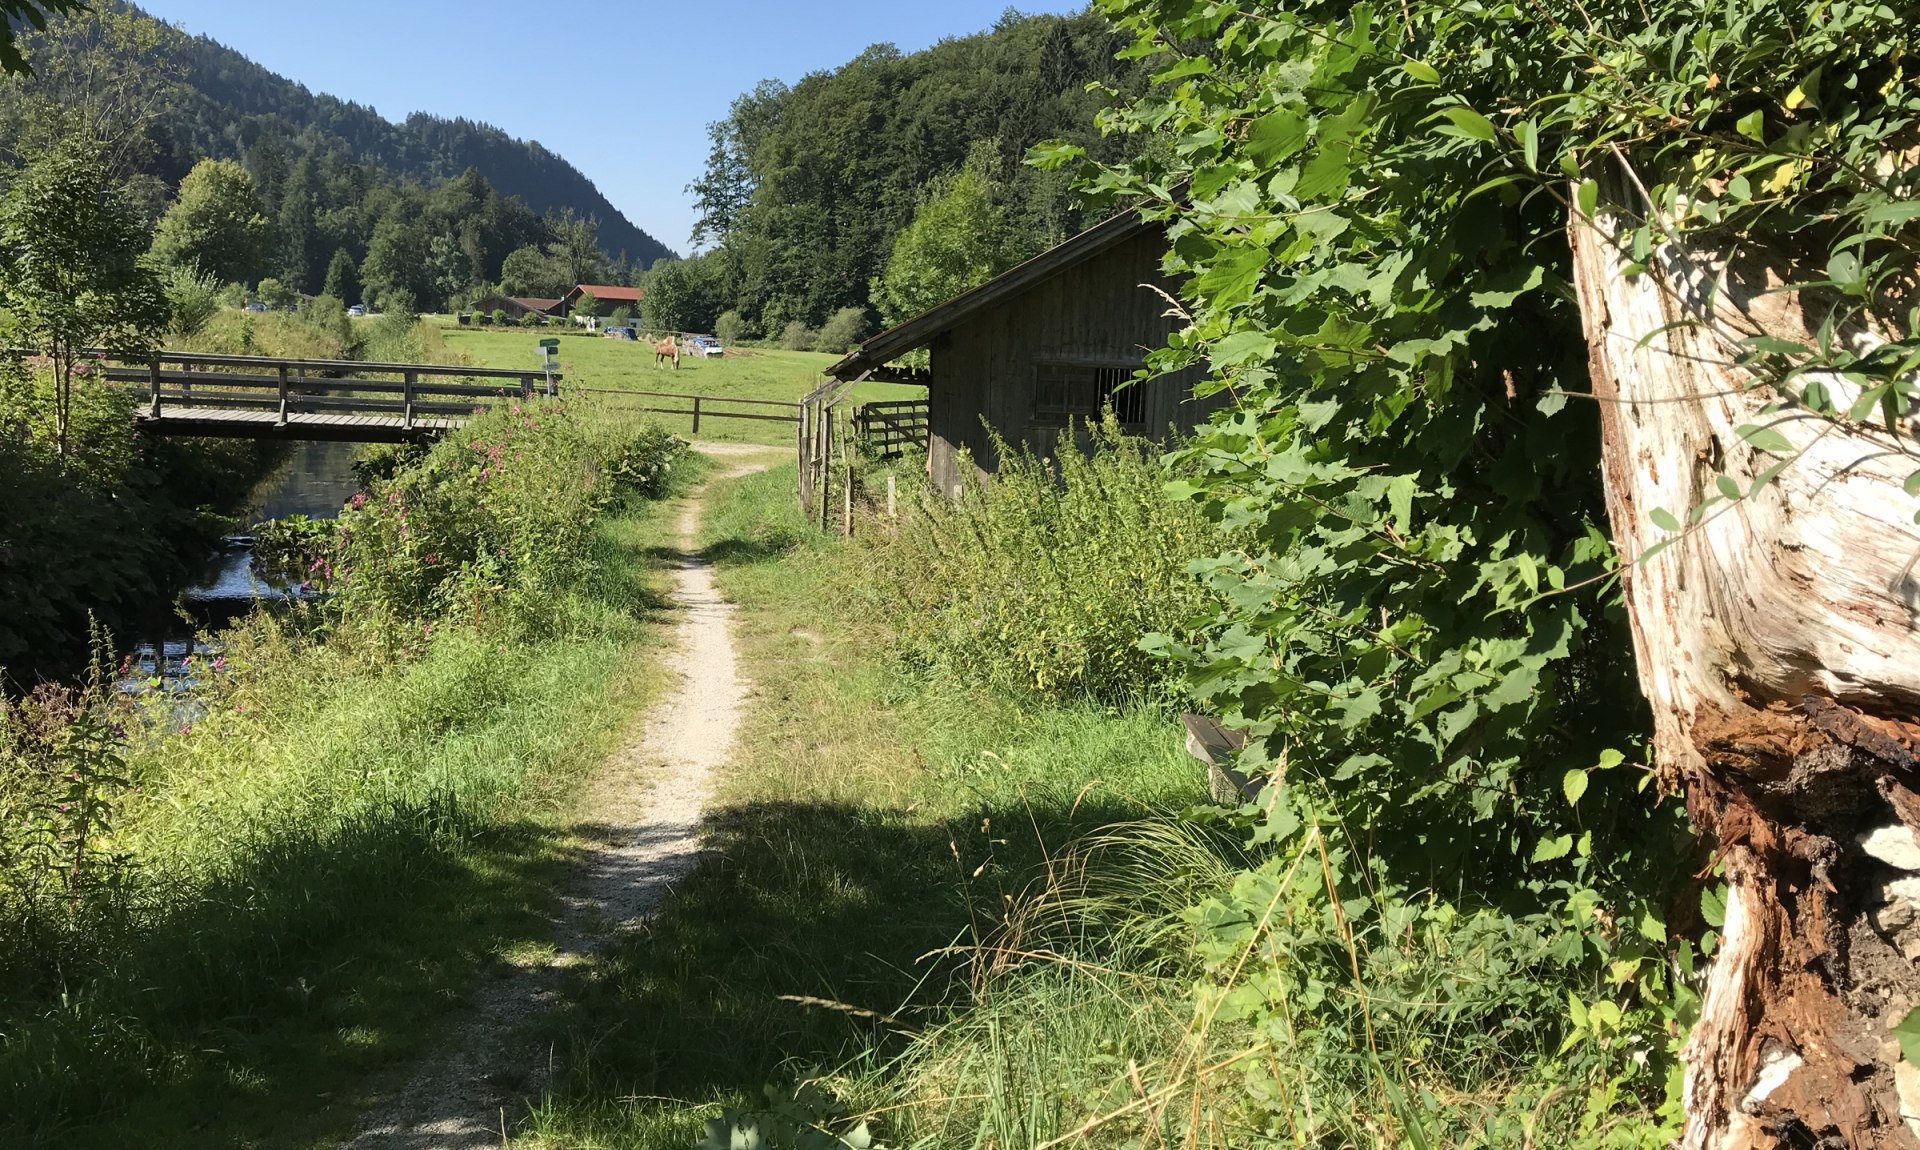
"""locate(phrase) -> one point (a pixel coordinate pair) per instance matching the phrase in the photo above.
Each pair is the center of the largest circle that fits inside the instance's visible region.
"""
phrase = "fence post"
(526, 389)
(153, 367)
(407, 380)
(696, 415)
(283, 395)
(846, 514)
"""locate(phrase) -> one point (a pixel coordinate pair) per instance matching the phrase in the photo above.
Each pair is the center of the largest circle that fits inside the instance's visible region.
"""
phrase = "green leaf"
(1663, 519)
(1766, 439)
(1752, 125)
(1907, 1033)
(1587, 199)
(1276, 136)
(1471, 123)
(1573, 784)
(1240, 348)
(1232, 276)
(1912, 485)
(1422, 71)
(1549, 849)
(1509, 285)
(1529, 136)
(1728, 488)
(1713, 906)
(1651, 927)
(1898, 212)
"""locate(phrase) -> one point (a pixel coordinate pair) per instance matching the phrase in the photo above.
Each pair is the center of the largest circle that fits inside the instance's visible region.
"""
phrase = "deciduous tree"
(216, 225)
(71, 272)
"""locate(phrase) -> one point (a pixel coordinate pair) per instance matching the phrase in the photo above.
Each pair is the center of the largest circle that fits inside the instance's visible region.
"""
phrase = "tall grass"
(314, 858)
(1045, 579)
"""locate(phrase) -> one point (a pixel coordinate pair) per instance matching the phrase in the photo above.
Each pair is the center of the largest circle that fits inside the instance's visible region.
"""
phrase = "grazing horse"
(668, 348)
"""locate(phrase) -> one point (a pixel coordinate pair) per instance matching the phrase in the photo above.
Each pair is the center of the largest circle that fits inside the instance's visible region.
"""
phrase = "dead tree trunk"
(1779, 644)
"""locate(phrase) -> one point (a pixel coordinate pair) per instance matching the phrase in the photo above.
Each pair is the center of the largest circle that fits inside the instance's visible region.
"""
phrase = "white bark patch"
(1776, 1066)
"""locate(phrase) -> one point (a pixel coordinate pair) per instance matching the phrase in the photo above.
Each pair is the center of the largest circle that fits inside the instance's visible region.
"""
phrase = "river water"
(316, 480)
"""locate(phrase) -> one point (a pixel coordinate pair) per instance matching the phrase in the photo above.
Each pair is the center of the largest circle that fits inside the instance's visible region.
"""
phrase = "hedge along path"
(641, 834)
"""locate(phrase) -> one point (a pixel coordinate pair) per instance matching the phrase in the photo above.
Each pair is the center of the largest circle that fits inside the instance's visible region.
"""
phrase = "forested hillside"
(808, 187)
(453, 198)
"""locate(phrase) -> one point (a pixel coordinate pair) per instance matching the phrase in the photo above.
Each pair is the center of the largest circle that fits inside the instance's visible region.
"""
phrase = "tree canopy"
(216, 225)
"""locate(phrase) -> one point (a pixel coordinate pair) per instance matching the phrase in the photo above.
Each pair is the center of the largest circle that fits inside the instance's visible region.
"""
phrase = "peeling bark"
(1779, 645)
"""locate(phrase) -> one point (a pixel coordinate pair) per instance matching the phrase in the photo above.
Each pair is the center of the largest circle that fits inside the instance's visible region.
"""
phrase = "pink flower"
(359, 501)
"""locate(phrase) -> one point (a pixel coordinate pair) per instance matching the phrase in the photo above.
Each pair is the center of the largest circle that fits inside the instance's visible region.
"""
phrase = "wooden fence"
(890, 426)
(700, 407)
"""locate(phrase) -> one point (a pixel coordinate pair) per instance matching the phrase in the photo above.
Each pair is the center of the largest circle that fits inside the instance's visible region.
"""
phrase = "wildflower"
(187, 729)
(63, 808)
(359, 500)
(219, 662)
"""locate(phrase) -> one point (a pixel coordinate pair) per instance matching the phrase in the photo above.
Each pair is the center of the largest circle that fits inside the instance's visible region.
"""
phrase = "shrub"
(797, 336)
(484, 319)
(276, 294)
(493, 523)
(193, 297)
(842, 331)
(499, 316)
(1044, 579)
(730, 328)
(621, 315)
(529, 319)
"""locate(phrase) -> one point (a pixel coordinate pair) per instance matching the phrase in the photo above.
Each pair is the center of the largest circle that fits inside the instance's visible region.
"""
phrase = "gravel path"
(642, 833)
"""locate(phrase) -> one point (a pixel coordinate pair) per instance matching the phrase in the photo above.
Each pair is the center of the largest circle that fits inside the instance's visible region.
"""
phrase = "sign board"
(550, 342)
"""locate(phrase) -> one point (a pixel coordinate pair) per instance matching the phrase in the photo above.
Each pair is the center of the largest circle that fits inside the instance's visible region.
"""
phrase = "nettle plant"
(1424, 636)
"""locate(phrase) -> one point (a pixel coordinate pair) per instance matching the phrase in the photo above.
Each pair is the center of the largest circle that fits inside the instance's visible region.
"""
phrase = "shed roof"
(607, 292)
(534, 303)
(919, 331)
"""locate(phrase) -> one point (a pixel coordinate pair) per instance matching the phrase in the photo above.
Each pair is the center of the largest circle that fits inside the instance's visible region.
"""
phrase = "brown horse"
(668, 348)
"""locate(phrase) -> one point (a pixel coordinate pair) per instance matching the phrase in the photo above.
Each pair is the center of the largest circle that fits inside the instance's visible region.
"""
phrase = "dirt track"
(641, 832)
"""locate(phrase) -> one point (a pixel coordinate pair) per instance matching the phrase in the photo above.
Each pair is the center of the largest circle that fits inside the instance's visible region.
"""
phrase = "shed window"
(1066, 393)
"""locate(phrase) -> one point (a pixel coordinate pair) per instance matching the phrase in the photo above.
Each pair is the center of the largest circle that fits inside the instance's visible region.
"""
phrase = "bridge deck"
(229, 423)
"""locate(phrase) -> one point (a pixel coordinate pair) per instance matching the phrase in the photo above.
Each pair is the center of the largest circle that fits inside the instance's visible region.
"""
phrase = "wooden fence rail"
(702, 406)
(890, 426)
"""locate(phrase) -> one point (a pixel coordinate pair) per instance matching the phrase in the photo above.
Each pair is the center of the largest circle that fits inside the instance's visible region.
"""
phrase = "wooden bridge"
(259, 397)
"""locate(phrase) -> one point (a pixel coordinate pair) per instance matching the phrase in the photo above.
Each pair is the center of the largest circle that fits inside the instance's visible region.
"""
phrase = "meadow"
(597, 362)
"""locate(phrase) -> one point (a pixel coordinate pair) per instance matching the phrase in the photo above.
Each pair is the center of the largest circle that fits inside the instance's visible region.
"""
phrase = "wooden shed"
(1042, 347)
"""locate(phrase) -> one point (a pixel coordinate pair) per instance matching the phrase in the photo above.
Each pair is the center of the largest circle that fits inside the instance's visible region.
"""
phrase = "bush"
(1044, 579)
(730, 328)
(193, 298)
(499, 316)
(797, 336)
(529, 319)
(276, 295)
(493, 523)
(484, 319)
(842, 332)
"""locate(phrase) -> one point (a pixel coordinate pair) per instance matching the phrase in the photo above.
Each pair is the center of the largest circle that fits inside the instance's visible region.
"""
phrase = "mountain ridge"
(423, 146)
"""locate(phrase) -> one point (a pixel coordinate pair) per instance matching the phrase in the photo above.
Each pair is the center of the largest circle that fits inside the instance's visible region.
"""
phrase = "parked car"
(256, 305)
(618, 333)
(356, 310)
(704, 346)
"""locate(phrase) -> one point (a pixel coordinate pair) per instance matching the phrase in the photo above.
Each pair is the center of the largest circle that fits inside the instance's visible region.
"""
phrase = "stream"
(316, 480)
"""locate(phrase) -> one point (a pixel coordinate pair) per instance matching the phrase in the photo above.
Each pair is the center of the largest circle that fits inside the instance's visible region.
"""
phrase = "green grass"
(594, 361)
(340, 853)
(873, 824)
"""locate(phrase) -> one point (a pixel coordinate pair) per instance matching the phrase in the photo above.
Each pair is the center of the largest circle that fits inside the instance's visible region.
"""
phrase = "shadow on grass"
(811, 935)
(256, 1013)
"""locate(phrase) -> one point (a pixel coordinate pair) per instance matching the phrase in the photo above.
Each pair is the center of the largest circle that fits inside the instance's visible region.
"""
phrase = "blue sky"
(675, 67)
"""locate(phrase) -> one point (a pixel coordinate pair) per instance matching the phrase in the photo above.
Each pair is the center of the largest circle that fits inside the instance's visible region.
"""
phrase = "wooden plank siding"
(1094, 313)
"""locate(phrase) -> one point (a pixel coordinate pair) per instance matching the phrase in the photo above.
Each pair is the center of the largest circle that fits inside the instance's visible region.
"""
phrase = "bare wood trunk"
(1779, 644)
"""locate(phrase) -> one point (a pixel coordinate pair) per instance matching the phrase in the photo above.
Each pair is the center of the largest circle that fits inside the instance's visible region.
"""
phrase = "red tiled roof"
(608, 292)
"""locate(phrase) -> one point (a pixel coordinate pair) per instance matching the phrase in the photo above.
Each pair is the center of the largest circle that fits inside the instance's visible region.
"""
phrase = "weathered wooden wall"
(1095, 312)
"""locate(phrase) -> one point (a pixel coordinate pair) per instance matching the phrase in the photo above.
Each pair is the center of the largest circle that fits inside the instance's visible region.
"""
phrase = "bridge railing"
(321, 386)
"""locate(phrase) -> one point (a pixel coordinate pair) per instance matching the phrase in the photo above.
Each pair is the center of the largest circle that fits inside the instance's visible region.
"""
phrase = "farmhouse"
(1042, 347)
(607, 297)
